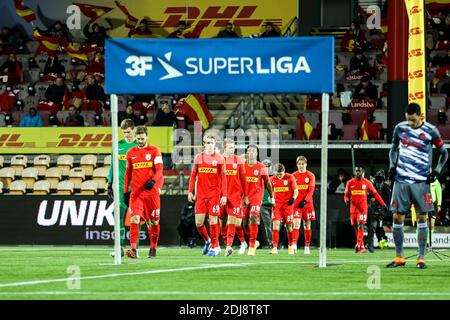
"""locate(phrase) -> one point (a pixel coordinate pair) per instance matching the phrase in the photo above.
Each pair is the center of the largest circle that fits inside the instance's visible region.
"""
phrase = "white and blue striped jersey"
(415, 147)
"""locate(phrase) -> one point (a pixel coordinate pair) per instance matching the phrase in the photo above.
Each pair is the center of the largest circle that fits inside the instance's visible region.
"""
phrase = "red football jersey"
(210, 173)
(235, 172)
(356, 191)
(142, 165)
(283, 189)
(255, 177)
(306, 183)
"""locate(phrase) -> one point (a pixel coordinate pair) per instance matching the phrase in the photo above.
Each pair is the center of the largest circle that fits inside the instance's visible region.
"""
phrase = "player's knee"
(135, 220)
(253, 219)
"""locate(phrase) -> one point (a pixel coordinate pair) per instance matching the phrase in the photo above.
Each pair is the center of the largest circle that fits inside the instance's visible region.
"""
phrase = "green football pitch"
(38, 272)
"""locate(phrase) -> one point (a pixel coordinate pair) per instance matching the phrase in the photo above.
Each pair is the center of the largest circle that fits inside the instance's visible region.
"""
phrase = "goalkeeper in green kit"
(125, 144)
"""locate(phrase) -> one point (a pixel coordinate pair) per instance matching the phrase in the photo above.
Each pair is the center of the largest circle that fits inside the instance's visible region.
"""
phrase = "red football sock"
(295, 233)
(224, 233)
(240, 233)
(231, 229)
(360, 237)
(153, 233)
(134, 235)
(289, 236)
(213, 231)
(253, 234)
(275, 238)
(247, 232)
(203, 232)
(308, 234)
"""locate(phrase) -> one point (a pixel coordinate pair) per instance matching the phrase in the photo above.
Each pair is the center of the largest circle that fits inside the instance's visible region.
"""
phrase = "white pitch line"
(283, 294)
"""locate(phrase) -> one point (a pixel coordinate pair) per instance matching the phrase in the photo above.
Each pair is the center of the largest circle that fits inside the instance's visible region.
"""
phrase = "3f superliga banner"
(416, 54)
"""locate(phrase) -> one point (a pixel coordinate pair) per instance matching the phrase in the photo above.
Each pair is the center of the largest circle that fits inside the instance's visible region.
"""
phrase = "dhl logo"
(207, 170)
(251, 179)
(415, 10)
(415, 74)
(415, 31)
(281, 189)
(358, 193)
(122, 157)
(141, 165)
(416, 96)
(11, 140)
(86, 140)
(240, 15)
(302, 187)
(231, 172)
(415, 53)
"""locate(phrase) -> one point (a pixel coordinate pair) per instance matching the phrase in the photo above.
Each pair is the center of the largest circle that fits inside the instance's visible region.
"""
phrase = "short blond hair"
(301, 158)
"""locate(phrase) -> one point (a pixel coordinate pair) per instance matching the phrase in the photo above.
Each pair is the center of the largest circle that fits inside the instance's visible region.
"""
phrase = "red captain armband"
(438, 142)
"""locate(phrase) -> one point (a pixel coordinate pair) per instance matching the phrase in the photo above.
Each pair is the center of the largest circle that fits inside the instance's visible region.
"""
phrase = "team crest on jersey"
(364, 186)
(422, 136)
(214, 163)
(256, 172)
(234, 165)
(306, 180)
(148, 156)
(285, 182)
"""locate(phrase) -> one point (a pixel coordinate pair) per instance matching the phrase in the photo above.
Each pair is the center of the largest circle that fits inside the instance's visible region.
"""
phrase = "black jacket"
(55, 93)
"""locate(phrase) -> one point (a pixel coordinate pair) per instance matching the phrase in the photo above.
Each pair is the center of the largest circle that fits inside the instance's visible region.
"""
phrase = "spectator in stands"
(359, 62)
(56, 91)
(354, 38)
(95, 96)
(165, 117)
(52, 69)
(32, 119)
(228, 32)
(141, 31)
(56, 30)
(270, 31)
(180, 30)
(8, 42)
(445, 89)
(74, 118)
(97, 35)
(338, 183)
(13, 69)
(96, 67)
(366, 90)
(128, 114)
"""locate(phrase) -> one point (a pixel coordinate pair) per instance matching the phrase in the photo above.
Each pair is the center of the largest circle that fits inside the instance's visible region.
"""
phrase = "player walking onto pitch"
(285, 192)
(145, 173)
(256, 177)
(303, 205)
(410, 162)
(355, 198)
(208, 177)
(128, 142)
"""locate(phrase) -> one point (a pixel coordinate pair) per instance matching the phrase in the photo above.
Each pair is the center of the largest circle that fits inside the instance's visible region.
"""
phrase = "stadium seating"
(42, 163)
(88, 162)
(2, 160)
(7, 176)
(88, 187)
(65, 163)
(107, 161)
(1, 187)
(77, 176)
(350, 132)
(65, 187)
(18, 163)
(100, 175)
(17, 187)
(41, 187)
(53, 176)
(30, 176)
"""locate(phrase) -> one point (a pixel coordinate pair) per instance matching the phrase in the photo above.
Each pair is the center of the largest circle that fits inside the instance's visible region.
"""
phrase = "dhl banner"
(416, 56)
(83, 140)
(248, 16)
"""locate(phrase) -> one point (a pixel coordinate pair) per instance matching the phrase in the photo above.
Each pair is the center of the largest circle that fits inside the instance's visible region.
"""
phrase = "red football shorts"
(148, 206)
(252, 208)
(305, 213)
(283, 214)
(234, 208)
(208, 206)
(358, 217)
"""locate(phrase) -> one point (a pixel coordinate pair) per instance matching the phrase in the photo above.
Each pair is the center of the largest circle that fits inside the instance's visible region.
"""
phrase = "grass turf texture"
(183, 273)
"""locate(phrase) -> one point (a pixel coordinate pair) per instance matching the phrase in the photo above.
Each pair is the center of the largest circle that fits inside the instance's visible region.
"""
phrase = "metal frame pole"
(323, 182)
(115, 164)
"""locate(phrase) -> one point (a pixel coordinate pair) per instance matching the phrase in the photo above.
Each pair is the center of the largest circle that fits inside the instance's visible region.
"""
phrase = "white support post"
(323, 182)
(115, 164)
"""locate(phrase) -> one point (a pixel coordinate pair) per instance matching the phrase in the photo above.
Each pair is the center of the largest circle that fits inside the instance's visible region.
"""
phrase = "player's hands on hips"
(149, 185)
(302, 203)
(432, 176)
(223, 201)
(392, 173)
(126, 198)
(291, 201)
(191, 197)
(246, 201)
(110, 191)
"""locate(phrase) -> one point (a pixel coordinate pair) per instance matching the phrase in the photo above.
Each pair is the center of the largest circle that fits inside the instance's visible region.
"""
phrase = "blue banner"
(261, 65)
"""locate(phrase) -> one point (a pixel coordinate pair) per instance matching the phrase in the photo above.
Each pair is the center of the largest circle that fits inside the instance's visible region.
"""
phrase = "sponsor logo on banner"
(440, 240)
(363, 104)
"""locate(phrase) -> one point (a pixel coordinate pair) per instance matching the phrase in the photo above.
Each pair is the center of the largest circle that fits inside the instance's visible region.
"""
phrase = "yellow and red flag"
(23, 11)
(74, 52)
(196, 109)
(91, 11)
(131, 21)
(47, 44)
(365, 130)
(308, 129)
